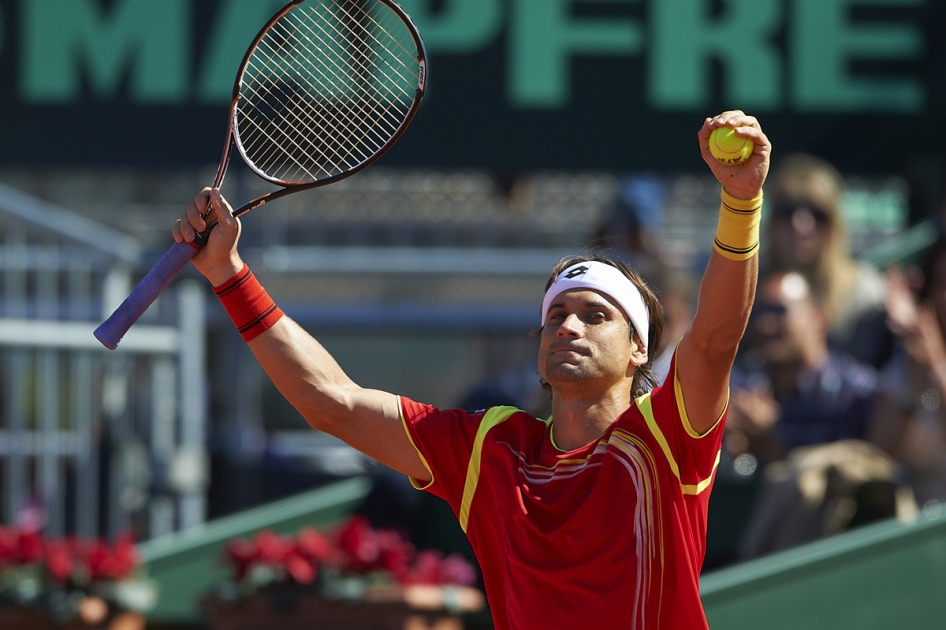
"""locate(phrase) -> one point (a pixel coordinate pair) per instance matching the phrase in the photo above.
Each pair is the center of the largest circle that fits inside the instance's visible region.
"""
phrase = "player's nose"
(572, 326)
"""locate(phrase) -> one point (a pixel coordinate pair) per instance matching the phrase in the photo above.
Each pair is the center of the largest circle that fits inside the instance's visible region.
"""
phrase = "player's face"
(586, 338)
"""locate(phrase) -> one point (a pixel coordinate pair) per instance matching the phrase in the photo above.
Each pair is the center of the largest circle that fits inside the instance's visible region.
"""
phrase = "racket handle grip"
(111, 331)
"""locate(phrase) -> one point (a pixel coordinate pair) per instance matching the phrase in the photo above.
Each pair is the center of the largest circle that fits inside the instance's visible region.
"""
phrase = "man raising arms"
(595, 517)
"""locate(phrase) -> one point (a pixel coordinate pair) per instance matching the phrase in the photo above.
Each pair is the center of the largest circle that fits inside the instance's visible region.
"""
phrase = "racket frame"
(111, 331)
(233, 132)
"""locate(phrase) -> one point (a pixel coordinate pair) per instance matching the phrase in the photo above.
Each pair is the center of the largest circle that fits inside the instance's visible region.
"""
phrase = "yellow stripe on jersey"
(492, 418)
(703, 485)
(414, 482)
(681, 406)
(643, 403)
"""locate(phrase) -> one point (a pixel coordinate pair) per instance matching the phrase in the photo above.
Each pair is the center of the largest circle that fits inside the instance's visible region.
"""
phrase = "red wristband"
(248, 304)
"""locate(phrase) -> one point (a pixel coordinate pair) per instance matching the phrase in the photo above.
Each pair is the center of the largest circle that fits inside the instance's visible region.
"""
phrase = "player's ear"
(639, 353)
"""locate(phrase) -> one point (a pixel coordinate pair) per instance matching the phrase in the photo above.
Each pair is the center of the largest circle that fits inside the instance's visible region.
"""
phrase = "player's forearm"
(728, 288)
(303, 371)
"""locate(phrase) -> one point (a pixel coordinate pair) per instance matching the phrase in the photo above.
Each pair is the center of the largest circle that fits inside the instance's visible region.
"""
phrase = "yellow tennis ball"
(729, 148)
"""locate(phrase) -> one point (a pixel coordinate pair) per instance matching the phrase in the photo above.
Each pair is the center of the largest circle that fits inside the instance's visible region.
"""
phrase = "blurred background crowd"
(423, 274)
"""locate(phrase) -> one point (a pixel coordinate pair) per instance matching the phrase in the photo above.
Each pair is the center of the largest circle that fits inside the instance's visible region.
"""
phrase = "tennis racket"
(324, 90)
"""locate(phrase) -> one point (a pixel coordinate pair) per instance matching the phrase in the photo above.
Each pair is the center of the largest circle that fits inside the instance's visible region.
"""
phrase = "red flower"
(426, 569)
(431, 567)
(302, 570)
(59, 561)
(30, 548)
(396, 553)
(8, 544)
(271, 547)
(359, 543)
(313, 545)
(355, 548)
(241, 553)
(112, 563)
(456, 570)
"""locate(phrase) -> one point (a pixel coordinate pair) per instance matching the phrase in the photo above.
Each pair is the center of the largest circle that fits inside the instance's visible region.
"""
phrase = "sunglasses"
(768, 308)
(786, 210)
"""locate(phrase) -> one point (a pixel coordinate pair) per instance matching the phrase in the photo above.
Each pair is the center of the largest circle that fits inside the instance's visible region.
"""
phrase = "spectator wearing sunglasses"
(801, 410)
(806, 233)
(790, 389)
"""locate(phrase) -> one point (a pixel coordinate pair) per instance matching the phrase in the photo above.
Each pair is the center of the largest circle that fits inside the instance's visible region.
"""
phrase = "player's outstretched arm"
(706, 353)
(302, 370)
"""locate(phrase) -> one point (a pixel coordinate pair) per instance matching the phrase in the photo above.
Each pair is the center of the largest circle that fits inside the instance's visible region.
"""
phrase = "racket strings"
(411, 74)
(364, 103)
(266, 149)
(344, 125)
(325, 89)
(330, 121)
(305, 120)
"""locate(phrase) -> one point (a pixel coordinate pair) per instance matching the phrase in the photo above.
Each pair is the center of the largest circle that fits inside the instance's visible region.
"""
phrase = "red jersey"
(609, 535)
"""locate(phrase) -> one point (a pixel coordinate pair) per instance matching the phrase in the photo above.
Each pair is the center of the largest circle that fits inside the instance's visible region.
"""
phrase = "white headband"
(605, 279)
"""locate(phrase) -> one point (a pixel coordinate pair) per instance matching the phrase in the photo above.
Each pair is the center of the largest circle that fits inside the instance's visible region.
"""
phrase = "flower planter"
(18, 618)
(312, 612)
(27, 618)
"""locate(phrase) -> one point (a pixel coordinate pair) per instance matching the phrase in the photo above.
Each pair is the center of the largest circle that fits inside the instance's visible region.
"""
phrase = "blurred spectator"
(516, 386)
(801, 409)
(790, 389)
(806, 233)
(632, 220)
(910, 417)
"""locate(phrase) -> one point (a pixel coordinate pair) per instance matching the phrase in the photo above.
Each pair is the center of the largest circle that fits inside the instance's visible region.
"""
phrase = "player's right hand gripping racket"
(326, 87)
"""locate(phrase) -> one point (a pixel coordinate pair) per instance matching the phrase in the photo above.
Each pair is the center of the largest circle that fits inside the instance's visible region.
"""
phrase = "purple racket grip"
(111, 331)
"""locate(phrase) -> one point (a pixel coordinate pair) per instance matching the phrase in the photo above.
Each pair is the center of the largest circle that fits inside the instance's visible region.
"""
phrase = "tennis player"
(595, 517)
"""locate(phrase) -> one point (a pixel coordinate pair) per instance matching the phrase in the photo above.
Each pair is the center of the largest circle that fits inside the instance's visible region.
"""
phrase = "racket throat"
(201, 238)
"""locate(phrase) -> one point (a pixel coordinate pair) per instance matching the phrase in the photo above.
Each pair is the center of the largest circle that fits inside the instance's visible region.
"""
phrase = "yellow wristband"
(737, 233)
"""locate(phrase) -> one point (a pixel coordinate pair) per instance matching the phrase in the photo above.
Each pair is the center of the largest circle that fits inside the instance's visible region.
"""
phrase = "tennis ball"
(729, 148)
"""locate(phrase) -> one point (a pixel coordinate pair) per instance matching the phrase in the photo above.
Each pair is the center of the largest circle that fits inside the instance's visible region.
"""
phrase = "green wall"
(886, 576)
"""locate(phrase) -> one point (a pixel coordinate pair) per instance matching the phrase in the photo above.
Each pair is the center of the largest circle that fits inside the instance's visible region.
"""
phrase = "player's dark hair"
(644, 378)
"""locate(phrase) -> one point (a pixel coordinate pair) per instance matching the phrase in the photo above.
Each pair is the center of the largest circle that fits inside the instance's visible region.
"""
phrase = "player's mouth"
(568, 349)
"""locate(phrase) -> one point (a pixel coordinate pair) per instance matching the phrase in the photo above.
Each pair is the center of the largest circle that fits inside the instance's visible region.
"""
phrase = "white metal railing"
(94, 441)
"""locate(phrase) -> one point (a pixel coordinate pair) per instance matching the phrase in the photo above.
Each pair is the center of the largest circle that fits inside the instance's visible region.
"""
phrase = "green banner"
(514, 84)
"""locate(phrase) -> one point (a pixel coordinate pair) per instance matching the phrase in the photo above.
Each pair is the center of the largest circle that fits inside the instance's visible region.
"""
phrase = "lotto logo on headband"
(575, 272)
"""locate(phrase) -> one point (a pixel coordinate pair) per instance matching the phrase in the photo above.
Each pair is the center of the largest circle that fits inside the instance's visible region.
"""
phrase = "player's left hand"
(743, 181)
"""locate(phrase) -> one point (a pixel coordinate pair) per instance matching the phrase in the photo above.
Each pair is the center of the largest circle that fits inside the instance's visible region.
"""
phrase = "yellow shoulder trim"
(643, 403)
(414, 482)
(703, 485)
(681, 405)
(492, 418)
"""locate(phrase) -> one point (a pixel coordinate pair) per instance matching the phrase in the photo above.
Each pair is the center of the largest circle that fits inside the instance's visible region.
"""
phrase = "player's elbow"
(326, 411)
(331, 411)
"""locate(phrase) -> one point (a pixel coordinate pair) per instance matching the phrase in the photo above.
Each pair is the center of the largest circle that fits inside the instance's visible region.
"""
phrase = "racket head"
(325, 89)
